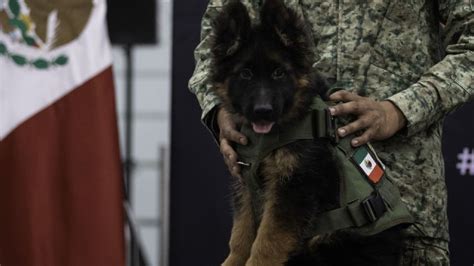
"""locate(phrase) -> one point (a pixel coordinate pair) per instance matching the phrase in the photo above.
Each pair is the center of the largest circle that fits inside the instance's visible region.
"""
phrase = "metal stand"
(163, 208)
(136, 255)
(128, 161)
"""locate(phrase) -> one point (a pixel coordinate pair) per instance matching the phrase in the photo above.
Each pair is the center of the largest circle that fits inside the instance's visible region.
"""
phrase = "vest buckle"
(374, 206)
(331, 127)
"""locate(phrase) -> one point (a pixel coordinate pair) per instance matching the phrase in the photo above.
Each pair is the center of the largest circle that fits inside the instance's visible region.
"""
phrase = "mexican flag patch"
(368, 164)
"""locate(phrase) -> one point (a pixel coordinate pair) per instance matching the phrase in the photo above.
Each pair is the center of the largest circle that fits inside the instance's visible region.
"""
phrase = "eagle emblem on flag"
(39, 27)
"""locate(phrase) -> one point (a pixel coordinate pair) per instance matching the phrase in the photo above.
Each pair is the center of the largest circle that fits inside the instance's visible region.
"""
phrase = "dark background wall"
(459, 136)
(200, 212)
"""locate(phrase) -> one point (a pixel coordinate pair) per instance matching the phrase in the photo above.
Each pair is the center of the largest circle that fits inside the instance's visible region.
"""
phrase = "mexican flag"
(368, 164)
(60, 171)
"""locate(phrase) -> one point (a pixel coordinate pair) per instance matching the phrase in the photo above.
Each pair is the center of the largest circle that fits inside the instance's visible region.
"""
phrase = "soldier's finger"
(364, 138)
(229, 161)
(357, 125)
(234, 136)
(343, 96)
(353, 107)
(233, 167)
(227, 151)
(235, 171)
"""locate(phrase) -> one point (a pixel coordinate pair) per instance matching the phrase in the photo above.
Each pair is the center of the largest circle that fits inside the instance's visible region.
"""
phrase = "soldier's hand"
(228, 133)
(377, 120)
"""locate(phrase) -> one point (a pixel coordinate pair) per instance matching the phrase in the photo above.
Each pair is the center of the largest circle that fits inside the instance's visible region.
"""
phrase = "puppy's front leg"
(276, 235)
(279, 230)
(243, 229)
(273, 244)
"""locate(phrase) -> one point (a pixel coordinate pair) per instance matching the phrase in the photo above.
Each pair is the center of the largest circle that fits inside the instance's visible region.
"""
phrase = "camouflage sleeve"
(199, 83)
(448, 84)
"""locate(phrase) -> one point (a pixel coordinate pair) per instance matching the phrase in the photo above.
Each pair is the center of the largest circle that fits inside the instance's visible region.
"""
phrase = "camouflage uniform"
(418, 54)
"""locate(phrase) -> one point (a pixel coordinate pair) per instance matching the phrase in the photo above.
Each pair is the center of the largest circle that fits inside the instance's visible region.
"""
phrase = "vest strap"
(355, 214)
(324, 124)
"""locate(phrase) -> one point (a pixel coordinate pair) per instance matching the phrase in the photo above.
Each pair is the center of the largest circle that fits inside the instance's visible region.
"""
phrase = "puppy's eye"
(246, 74)
(278, 73)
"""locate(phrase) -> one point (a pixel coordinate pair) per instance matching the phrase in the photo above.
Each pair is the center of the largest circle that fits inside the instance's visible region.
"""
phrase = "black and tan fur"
(269, 63)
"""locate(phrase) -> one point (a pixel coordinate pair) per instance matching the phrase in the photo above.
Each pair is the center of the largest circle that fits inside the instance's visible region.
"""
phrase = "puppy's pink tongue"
(262, 127)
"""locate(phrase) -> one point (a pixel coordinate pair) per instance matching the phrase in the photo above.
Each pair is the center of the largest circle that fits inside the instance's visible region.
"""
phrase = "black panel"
(200, 202)
(132, 22)
(458, 136)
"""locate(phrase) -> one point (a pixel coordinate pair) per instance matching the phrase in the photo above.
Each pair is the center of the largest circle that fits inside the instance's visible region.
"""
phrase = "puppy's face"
(263, 72)
(260, 85)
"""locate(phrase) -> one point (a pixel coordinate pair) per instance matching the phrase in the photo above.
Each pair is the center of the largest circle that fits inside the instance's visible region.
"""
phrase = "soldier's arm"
(448, 84)
(199, 83)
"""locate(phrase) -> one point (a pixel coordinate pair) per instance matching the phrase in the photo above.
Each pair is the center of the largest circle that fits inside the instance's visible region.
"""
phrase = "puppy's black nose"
(263, 109)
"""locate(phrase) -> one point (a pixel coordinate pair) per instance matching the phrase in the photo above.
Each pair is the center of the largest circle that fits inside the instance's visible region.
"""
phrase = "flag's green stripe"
(360, 154)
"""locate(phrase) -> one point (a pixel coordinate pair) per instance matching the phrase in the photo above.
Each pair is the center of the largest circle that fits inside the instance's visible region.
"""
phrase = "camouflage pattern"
(388, 50)
(424, 253)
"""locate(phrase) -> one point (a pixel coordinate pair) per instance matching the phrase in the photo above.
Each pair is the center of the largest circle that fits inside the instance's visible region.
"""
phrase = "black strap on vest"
(355, 214)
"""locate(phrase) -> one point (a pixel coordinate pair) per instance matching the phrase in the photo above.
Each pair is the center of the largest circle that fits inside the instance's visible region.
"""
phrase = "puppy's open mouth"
(262, 127)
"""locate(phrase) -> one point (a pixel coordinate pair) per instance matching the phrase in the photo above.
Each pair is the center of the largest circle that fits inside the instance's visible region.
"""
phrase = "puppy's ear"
(231, 29)
(283, 23)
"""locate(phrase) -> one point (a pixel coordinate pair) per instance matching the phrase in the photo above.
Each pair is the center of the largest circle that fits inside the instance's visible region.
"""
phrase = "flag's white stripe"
(368, 169)
(24, 91)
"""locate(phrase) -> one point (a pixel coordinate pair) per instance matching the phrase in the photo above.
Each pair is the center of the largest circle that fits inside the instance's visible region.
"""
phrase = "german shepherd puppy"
(263, 75)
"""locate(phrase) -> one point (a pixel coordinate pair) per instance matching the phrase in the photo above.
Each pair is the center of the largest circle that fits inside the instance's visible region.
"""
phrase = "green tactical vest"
(369, 202)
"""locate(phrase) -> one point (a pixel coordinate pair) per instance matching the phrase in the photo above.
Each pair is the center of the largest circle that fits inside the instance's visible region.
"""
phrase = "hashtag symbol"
(466, 162)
